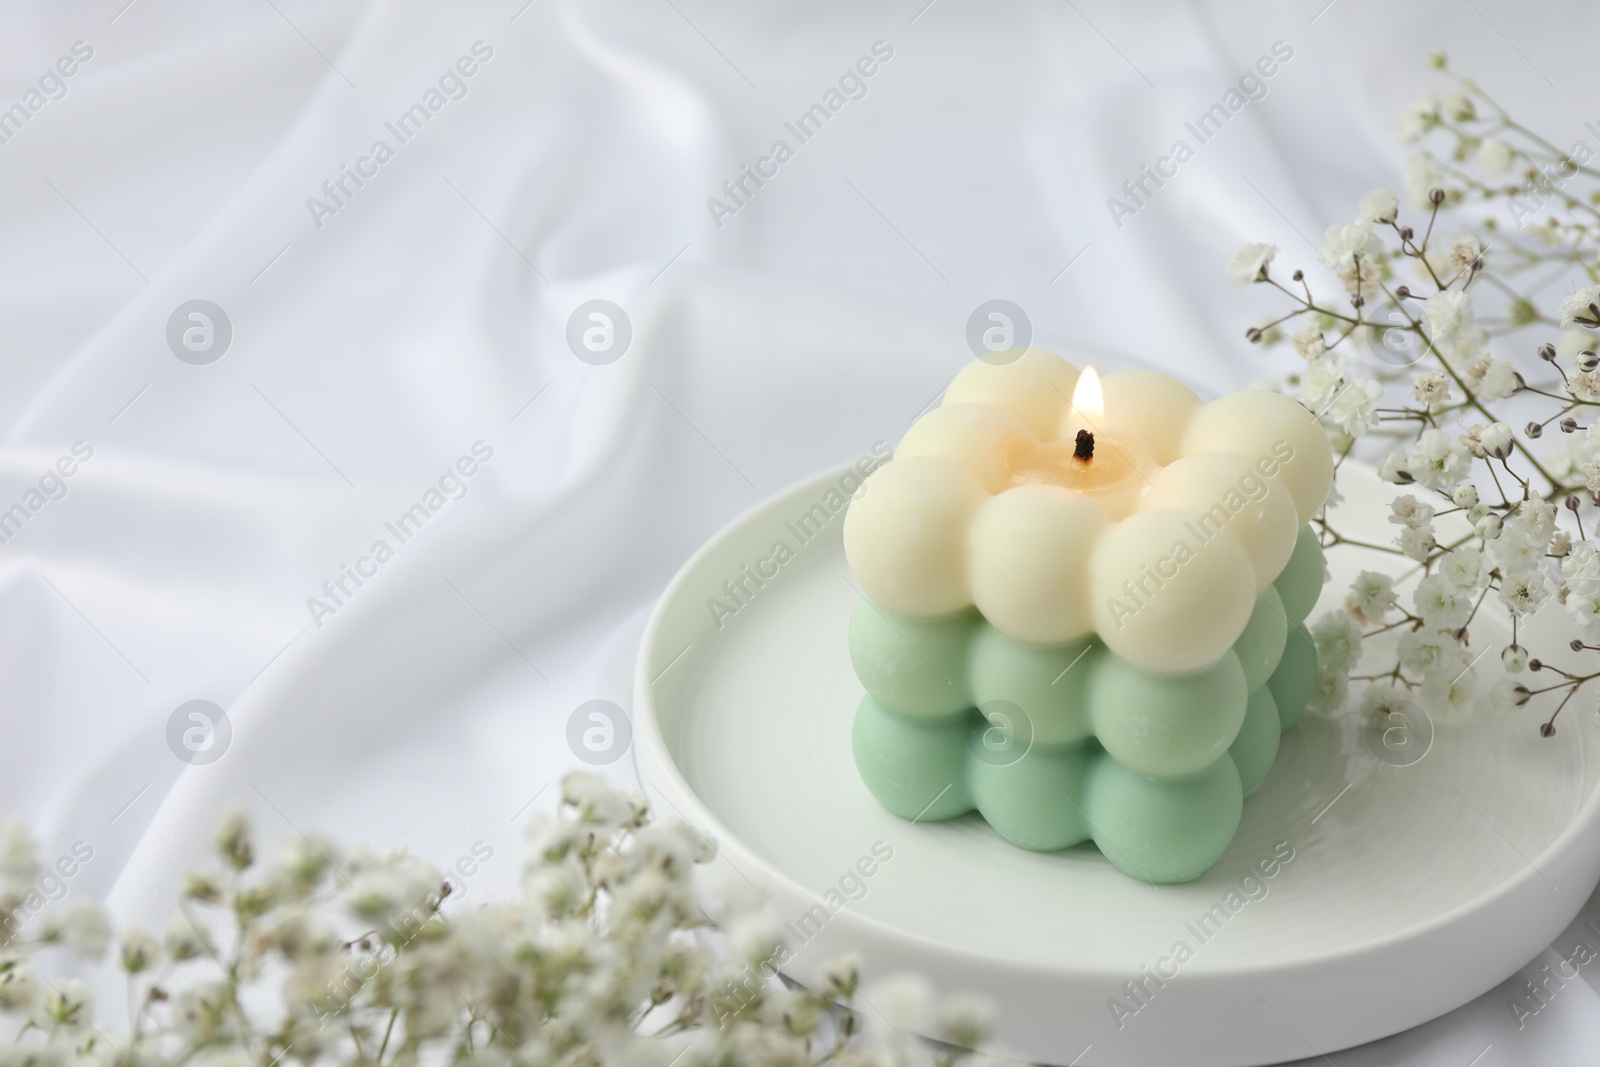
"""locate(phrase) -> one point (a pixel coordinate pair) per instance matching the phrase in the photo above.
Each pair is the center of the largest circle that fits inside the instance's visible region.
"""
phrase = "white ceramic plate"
(1415, 884)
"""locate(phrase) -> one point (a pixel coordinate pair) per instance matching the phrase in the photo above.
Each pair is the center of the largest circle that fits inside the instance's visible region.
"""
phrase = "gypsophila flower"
(1569, 453)
(1560, 544)
(1539, 515)
(1527, 592)
(1580, 573)
(138, 951)
(1442, 603)
(1465, 496)
(1321, 381)
(1407, 510)
(1416, 542)
(1385, 701)
(1393, 468)
(1371, 596)
(1436, 461)
(1447, 313)
(1379, 206)
(1309, 342)
(1508, 695)
(1574, 342)
(1338, 640)
(903, 1002)
(1423, 174)
(1519, 547)
(1458, 107)
(233, 839)
(67, 1004)
(1418, 119)
(840, 975)
(1463, 255)
(1450, 695)
(1431, 388)
(1355, 406)
(964, 1019)
(1463, 569)
(1492, 379)
(1428, 653)
(1352, 250)
(1582, 308)
(1329, 691)
(1580, 570)
(597, 802)
(1494, 157)
(1250, 264)
(754, 939)
(391, 887)
(1585, 385)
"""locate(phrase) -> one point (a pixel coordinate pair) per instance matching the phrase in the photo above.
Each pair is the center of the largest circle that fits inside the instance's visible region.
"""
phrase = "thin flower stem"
(394, 1013)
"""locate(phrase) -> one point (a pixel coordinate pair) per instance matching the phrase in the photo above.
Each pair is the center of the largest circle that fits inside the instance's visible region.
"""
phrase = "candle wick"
(1083, 448)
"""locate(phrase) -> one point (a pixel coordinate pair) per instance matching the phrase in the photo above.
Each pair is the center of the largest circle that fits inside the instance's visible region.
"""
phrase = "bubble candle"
(1041, 513)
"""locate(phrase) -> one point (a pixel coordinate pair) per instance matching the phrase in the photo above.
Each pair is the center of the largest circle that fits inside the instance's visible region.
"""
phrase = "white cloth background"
(369, 353)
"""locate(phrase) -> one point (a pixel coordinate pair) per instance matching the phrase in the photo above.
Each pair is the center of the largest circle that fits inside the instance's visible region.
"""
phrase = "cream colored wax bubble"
(1269, 427)
(1026, 557)
(1232, 493)
(905, 535)
(1166, 598)
(1062, 505)
(1035, 387)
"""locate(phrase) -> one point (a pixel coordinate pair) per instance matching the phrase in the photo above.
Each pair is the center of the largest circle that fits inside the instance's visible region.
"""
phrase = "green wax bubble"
(1301, 581)
(915, 766)
(913, 666)
(1296, 676)
(1260, 647)
(1036, 802)
(1257, 744)
(1167, 725)
(1049, 683)
(1164, 830)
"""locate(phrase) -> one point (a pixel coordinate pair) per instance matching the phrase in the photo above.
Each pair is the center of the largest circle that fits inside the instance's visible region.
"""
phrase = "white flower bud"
(1378, 206)
(67, 1004)
(139, 951)
(1514, 658)
(1488, 527)
(1496, 440)
(1466, 495)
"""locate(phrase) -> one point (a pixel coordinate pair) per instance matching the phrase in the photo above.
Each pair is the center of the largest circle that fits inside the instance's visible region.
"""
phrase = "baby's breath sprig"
(1445, 363)
(335, 958)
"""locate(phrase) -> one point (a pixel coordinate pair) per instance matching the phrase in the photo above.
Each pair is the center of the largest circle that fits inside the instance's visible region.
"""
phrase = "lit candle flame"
(1088, 402)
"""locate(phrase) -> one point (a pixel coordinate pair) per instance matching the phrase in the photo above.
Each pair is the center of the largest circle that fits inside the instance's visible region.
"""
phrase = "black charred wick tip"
(1083, 447)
